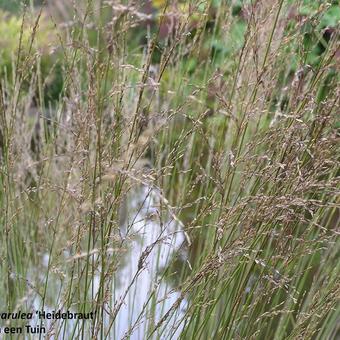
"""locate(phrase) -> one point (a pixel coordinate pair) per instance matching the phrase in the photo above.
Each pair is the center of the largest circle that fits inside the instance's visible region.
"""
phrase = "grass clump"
(178, 174)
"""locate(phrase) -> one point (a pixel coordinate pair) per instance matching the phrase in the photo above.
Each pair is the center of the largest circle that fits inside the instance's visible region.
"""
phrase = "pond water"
(167, 240)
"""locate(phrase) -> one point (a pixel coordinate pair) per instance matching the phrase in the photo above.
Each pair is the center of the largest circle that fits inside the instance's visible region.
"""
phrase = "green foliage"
(10, 27)
(15, 36)
(331, 18)
(11, 5)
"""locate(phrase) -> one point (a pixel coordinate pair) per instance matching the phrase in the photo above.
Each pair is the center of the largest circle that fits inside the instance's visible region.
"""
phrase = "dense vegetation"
(171, 166)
